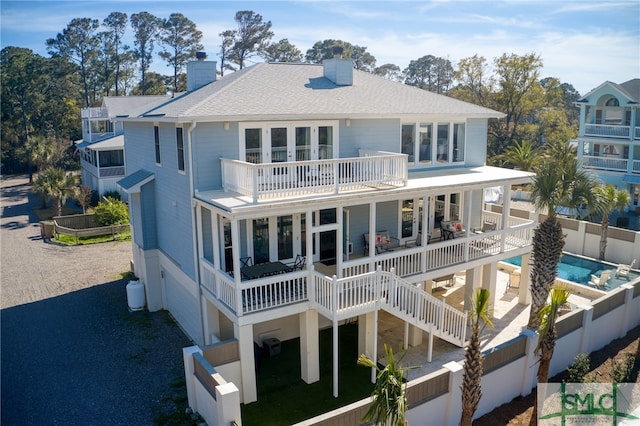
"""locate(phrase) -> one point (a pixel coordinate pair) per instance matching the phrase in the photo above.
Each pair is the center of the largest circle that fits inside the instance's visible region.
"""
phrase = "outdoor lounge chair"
(623, 270)
(601, 281)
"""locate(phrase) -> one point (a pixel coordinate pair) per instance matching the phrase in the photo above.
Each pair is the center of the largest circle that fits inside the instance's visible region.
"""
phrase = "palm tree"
(480, 316)
(547, 335)
(611, 198)
(55, 184)
(522, 156)
(558, 183)
(388, 399)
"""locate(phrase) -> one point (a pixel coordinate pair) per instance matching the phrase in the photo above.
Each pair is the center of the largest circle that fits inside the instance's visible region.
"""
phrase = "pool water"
(579, 270)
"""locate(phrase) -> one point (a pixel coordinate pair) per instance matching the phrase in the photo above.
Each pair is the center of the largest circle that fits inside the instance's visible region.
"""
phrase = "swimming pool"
(579, 269)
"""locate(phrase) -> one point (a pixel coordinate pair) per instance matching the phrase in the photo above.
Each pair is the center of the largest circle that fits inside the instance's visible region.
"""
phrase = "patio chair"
(298, 264)
(246, 261)
(623, 270)
(451, 230)
(601, 281)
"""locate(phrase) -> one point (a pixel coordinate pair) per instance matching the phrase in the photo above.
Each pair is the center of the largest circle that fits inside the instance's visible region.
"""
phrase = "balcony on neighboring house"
(266, 181)
(97, 112)
(609, 131)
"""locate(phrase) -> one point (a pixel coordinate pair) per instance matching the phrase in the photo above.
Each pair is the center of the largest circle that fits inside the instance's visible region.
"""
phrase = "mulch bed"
(518, 411)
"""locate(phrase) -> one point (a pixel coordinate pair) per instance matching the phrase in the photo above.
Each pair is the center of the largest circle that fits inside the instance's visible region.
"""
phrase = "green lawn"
(283, 398)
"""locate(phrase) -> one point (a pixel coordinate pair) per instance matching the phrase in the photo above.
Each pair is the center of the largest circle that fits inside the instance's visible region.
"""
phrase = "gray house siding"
(210, 143)
(382, 135)
(148, 215)
(166, 214)
(476, 143)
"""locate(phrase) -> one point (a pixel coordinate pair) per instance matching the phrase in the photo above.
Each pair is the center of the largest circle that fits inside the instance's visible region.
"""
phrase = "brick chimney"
(338, 70)
(200, 72)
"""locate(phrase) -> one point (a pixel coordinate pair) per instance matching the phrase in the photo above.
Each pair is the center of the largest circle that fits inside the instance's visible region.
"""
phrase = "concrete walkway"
(72, 353)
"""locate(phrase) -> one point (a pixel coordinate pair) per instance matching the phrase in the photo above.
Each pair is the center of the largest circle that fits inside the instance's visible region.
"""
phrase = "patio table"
(264, 269)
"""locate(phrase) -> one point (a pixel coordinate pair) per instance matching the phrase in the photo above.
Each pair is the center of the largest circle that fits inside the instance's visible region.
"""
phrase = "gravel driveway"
(72, 353)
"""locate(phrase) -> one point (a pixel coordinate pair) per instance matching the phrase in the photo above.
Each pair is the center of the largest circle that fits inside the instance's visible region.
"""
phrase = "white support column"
(467, 198)
(309, 346)
(374, 349)
(339, 241)
(335, 358)
(489, 278)
(473, 279)
(244, 334)
(309, 238)
(235, 238)
(372, 230)
(414, 336)
(524, 292)
(430, 344)
(215, 231)
(366, 327)
(506, 207)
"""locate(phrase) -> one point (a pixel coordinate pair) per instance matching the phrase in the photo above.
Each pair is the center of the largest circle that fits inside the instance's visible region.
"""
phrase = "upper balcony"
(96, 112)
(267, 181)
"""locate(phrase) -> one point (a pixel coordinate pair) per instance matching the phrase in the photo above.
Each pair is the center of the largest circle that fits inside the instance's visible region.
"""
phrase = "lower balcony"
(412, 264)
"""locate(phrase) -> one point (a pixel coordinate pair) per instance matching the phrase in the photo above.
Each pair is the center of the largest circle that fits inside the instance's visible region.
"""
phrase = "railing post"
(440, 324)
(254, 178)
(334, 296)
(311, 286)
(336, 170)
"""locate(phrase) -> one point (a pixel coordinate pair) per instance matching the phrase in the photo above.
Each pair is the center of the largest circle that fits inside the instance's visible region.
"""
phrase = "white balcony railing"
(96, 112)
(604, 163)
(299, 178)
(357, 293)
(111, 171)
(607, 131)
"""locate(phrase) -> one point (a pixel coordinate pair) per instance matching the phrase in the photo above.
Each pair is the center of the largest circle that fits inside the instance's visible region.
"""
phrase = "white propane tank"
(135, 295)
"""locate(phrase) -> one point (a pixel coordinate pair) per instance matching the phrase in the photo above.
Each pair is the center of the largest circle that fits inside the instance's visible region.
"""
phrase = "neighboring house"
(319, 174)
(609, 138)
(102, 147)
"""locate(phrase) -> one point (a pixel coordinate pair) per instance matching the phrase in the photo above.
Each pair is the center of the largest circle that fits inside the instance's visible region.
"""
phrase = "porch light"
(348, 122)
(226, 125)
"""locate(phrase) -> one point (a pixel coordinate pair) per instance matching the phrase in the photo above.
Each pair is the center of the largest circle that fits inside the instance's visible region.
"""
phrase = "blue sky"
(582, 43)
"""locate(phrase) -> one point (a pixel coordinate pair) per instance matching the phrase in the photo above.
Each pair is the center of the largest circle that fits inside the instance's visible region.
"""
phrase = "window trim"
(180, 150)
(156, 140)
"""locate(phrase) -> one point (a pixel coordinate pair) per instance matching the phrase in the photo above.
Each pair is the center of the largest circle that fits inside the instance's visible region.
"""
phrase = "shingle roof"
(131, 105)
(107, 143)
(286, 90)
(134, 181)
(632, 88)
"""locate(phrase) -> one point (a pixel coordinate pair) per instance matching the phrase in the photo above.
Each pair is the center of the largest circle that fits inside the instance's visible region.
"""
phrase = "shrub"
(623, 370)
(579, 368)
(111, 212)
